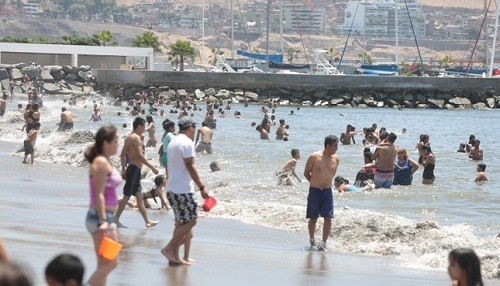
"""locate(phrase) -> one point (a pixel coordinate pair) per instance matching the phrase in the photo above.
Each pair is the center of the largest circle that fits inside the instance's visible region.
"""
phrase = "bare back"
(385, 155)
(320, 169)
(206, 134)
(132, 147)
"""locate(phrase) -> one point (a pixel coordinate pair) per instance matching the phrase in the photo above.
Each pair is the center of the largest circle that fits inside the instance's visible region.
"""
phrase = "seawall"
(324, 90)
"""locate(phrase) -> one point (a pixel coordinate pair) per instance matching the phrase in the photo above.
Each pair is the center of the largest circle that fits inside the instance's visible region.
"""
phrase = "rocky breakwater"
(345, 98)
(56, 79)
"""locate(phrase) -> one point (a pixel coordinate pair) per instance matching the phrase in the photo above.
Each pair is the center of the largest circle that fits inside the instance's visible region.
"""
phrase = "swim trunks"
(67, 126)
(184, 206)
(319, 202)
(133, 180)
(383, 179)
(28, 147)
(204, 146)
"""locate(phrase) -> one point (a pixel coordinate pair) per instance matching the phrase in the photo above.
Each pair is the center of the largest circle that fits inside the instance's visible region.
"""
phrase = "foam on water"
(418, 224)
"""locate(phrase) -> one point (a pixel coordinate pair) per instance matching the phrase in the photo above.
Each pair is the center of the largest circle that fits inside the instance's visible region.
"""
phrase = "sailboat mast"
(202, 29)
(490, 73)
(396, 2)
(364, 32)
(232, 28)
(267, 31)
(281, 27)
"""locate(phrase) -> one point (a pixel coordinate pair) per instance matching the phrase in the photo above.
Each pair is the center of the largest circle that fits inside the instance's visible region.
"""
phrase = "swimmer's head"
(339, 180)
(124, 125)
(403, 131)
(159, 180)
(295, 153)
(214, 166)
(253, 124)
(481, 167)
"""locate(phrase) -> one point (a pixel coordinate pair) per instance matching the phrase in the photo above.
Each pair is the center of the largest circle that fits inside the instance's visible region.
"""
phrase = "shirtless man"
(481, 175)
(320, 169)
(3, 104)
(205, 144)
(345, 137)
(385, 156)
(476, 152)
(281, 131)
(67, 119)
(132, 158)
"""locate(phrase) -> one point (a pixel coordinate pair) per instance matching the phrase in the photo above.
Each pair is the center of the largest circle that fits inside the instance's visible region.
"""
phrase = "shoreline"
(43, 215)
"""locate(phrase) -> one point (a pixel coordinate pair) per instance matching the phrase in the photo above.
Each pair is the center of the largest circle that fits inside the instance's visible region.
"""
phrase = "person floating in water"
(481, 175)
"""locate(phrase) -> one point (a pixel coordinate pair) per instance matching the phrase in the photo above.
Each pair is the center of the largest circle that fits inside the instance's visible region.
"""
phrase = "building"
(31, 9)
(93, 56)
(377, 18)
(304, 18)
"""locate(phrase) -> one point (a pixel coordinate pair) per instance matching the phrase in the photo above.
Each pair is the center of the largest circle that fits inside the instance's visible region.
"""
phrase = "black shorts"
(28, 148)
(132, 181)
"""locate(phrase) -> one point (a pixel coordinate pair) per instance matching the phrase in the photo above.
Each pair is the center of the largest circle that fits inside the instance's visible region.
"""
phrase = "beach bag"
(160, 151)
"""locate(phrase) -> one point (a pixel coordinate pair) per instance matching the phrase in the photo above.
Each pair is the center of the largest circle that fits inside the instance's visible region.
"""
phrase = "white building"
(377, 18)
(93, 56)
(31, 9)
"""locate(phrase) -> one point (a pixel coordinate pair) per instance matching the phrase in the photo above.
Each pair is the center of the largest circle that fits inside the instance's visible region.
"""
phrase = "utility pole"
(267, 31)
(397, 31)
(202, 28)
(232, 28)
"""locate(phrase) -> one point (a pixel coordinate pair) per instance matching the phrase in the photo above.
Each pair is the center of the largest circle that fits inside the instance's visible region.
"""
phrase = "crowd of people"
(387, 165)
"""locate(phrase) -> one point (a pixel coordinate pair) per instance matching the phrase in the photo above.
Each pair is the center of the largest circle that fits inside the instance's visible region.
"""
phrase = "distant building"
(31, 9)
(377, 18)
(304, 18)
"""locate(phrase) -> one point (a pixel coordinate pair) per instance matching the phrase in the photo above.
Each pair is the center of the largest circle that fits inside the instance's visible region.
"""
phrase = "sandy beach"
(43, 208)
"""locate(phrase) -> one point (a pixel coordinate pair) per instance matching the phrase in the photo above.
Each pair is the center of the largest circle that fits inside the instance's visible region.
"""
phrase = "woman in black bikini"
(429, 162)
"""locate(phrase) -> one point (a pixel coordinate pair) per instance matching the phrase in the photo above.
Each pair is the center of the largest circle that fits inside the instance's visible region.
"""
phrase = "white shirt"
(179, 179)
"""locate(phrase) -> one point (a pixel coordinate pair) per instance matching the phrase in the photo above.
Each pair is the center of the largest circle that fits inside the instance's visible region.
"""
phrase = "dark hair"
(392, 137)
(138, 121)
(295, 151)
(105, 133)
(159, 180)
(331, 140)
(12, 275)
(426, 148)
(469, 263)
(368, 155)
(149, 119)
(65, 267)
(341, 180)
(168, 124)
(482, 166)
(382, 135)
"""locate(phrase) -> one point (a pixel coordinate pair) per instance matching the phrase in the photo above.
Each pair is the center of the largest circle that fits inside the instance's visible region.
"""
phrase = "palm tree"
(365, 57)
(147, 40)
(291, 54)
(216, 52)
(333, 55)
(181, 49)
(446, 62)
(105, 38)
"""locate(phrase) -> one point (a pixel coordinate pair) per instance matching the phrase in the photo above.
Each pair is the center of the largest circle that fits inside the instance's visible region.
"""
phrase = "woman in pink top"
(103, 180)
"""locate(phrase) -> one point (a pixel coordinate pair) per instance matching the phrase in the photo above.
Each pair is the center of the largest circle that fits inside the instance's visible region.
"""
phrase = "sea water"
(416, 224)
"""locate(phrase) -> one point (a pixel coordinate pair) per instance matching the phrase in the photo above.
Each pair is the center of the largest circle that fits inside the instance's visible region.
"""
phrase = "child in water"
(342, 185)
(464, 267)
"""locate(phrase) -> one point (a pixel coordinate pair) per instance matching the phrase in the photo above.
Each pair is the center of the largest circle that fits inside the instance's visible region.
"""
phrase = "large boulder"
(182, 93)
(85, 68)
(51, 88)
(6, 66)
(460, 101)
(45, 74)
(199, 94)
(223, 94)
(167, 94)
(70, 69)
(490, 101)
(335, 101)
(86, 76)
(436, 103)
(16, 74)
(4, 74)
(479, 105)
(252, 96)
(32, 71)
(239, 92)
(210, 91)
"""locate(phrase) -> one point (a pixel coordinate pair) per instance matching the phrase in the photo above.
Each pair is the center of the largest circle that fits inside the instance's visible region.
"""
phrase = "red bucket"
(209, 203)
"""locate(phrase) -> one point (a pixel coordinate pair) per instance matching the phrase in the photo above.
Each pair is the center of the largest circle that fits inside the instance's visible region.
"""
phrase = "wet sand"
(42, 214)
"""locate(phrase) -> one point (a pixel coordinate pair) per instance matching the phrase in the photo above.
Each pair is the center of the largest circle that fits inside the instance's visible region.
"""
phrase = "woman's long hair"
(469, 263)
(105, 133)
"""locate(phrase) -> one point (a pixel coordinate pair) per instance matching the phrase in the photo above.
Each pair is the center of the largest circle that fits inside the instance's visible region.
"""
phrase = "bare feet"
(170, 257)
(152, 223)
(189, 260)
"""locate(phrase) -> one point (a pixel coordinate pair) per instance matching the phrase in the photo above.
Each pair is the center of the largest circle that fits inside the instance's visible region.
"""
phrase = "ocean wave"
(418, 244)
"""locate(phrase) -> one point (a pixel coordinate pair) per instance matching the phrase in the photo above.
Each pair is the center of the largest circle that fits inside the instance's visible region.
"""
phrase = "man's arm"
(308, 168)
(122, 157)
(375, 154)
(137, 145)
(352, 136)
(194, 175)
(197, 136)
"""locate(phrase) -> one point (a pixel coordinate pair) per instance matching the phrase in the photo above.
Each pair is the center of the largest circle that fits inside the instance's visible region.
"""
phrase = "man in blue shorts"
(132, 159)
(320, 169)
